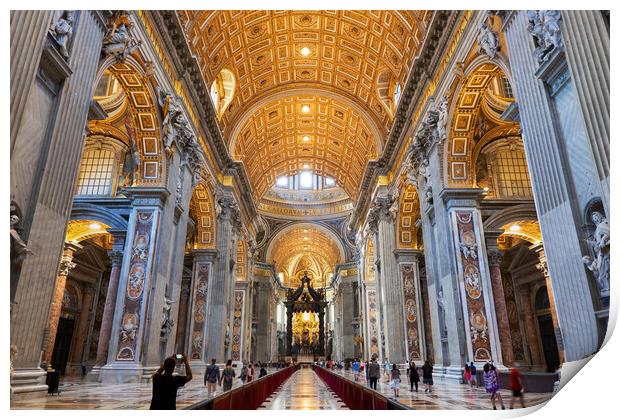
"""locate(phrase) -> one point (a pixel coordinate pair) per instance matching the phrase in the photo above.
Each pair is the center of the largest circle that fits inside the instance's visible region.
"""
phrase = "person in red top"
(516, 386)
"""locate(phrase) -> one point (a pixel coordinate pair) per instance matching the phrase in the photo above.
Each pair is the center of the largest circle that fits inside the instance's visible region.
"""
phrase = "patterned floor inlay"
(448, 395)
(304, 391)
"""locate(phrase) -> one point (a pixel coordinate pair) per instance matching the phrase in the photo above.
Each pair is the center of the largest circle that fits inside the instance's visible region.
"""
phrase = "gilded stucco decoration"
(305, 247)
(202, 211)
(476, 120)
(408, 215)
(336, 60)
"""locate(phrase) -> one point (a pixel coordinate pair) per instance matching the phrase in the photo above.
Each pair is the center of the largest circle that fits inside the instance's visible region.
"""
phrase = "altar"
(305, 321)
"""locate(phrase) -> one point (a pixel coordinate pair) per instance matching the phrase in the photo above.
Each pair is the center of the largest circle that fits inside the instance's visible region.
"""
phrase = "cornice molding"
(171, 30)
(442, 24)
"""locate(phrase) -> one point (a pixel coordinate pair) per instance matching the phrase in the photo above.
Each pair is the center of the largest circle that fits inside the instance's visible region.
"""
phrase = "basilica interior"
(296, 187)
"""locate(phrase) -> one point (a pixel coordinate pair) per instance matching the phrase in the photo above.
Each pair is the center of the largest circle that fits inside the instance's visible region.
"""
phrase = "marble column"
(503, 326)
(202, 274)
(116, 261)
(129, 339)
(182, 318)
(561, 165)
(221, 289)
(586, 40)
(381, 221)
(476, 295)
(81, 333)
(542, 266)
(409, 273)
(531, 333)
(28, 32)
(66, 264)
(263, 292)
(54, 96)
(347, 309)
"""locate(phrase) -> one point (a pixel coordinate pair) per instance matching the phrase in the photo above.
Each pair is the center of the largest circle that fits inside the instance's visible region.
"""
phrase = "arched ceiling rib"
(347, 51)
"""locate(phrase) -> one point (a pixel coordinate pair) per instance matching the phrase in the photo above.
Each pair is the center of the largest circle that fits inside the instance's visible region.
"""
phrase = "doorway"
(64, 334)
(545, 328)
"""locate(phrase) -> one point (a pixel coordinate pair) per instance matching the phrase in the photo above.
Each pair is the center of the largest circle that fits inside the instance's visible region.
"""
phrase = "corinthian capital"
(384, 207)
(66, 265)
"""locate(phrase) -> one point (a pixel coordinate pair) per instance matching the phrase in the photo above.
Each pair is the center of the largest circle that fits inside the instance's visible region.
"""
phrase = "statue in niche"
(600, 265)
(441, 303)
(118, 42)
(19, 250)
(544, 26)
(166, 320)
(62, 29)
(488, 39)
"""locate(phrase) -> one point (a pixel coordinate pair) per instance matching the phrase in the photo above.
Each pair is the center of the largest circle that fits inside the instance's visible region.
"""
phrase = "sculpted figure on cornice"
(432, 129)
(488, 39)
(62, 29)
(544, 26)
(176, 128)
(118, 42)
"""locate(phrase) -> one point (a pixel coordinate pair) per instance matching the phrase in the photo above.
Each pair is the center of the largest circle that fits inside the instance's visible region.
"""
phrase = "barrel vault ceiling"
(342, 76)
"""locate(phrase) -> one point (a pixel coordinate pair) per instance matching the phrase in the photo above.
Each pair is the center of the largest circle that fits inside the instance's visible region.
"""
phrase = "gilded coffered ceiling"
(338, 61)
(321, 248)
(330, 139)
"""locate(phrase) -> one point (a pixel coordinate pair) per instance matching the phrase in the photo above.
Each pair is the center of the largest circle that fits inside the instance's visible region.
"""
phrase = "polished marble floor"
(448, 395)
(77, 394)
(304, 390)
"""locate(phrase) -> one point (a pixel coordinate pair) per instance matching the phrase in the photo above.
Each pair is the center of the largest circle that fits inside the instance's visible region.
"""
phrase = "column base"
(122, 373)
(448, 373)
(28, 383)
(94, 375)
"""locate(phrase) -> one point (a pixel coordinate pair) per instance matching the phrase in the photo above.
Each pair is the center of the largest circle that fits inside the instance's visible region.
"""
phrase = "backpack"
(212, 373)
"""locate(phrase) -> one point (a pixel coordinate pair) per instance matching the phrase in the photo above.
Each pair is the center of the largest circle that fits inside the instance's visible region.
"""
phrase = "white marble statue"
(62, 29)
(600, 265)
(442, 120)
(19, 250)
(118, 42)
(488, 39)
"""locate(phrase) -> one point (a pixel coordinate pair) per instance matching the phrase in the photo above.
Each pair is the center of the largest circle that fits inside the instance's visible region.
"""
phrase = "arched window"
(502, 170)
(100, 167)
(222, 91)
(397, 93)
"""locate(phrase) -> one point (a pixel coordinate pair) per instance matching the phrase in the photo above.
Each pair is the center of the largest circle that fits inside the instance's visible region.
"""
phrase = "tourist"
(366, 371)
(467, 374)
(263, 372)
(414, 376)
(250, 372)
(165, 385)
(387, 367)
(228, 374)
(516, 385)
(491, 384)
(374, 371)
(472, 373)
(356, 370)
(427, 376)
(244, 373)
(212, 376)
(395, 380)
